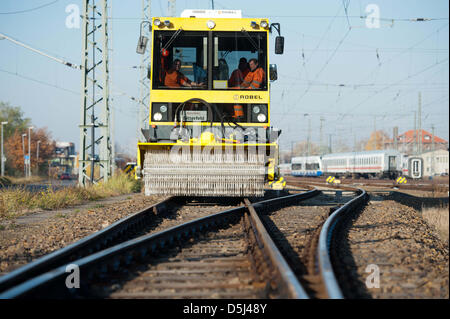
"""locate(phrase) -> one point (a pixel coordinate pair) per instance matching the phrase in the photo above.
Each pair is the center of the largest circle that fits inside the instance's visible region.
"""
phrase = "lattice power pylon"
(144, 82)
(95, 143)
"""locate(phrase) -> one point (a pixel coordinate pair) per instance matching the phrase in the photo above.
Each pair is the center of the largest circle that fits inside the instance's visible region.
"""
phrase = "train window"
(188, 51)
(232, 53)
(297, 166)
(311, 166)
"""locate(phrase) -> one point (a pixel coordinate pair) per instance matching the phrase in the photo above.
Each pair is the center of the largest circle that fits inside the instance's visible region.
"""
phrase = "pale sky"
(334, 67)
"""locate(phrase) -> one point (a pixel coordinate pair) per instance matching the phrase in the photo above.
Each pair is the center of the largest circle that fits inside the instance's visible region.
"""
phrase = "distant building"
(408, 142)
(63, 160)
(435, 163)
(64, 149)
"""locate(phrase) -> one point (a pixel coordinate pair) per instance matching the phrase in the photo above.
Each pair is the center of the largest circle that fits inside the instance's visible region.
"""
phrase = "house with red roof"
(409, 141)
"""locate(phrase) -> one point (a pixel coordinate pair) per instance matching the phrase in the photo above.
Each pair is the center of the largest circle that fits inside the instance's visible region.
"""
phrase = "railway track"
(412, 185)
(166, 213)
(146, 246)
(235, 257)
(388, 251)
(295, 230)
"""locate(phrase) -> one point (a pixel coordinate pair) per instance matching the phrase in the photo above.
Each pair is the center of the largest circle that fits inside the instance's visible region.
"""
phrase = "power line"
(404, 79)
(327, 62)
(332, 55)
(346, 3)
(379, 65)
(323, 36)
(345, 17)
(408, 49)
(39, 81)
(32, 9)
(72, 65)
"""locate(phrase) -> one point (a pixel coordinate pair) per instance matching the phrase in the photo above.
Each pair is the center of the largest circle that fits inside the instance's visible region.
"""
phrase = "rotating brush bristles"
(200, 173)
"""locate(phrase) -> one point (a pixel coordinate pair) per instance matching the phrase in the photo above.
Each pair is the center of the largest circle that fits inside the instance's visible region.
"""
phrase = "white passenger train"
(382, 163)
(412, 166)
(306, 166)
(379, 164)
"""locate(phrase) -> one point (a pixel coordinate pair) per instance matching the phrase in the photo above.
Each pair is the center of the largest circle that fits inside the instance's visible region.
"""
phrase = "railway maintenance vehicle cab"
(209, 120)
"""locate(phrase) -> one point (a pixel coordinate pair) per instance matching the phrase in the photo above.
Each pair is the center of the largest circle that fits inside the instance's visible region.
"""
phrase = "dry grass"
(15, 202)
(26, 180)
(438, 217)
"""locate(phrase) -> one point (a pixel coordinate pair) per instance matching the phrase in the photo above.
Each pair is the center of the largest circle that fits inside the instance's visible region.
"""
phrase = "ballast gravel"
(390, 252)
(27, 238)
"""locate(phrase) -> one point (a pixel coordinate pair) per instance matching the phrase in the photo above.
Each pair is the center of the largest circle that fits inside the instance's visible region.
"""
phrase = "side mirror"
(279, 45)
(273, 75)
(142, 45)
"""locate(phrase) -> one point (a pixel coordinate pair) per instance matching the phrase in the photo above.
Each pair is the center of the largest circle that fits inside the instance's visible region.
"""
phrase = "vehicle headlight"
(210, 24)
(256, 109)
(157, 22)
(261, 117)
(157, 116)
(264, 24)
(163, 108)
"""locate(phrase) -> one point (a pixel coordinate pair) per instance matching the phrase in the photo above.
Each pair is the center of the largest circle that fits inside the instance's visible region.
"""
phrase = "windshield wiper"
(172, 38)
(251, 40)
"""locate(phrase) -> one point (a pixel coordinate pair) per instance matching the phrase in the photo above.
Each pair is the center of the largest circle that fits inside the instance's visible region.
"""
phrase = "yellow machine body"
(205, 157)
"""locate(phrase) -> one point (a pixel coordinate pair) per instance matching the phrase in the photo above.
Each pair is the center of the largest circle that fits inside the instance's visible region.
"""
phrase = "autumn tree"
(14, 117)
(14, 149)
(377, 140)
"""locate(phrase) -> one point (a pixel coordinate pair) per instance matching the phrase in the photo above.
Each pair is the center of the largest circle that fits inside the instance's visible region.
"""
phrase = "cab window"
(189, 49)
(232, 53)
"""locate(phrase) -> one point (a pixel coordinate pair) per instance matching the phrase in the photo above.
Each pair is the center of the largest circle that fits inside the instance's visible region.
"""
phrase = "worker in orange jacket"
(174, 78)
(255, 78)
(238, 75)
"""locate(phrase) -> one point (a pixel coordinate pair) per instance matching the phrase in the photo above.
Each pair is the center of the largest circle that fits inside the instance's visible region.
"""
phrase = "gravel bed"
(394, 239)
(24, 239)
(292, 229)
(29, 237)
(215, 265)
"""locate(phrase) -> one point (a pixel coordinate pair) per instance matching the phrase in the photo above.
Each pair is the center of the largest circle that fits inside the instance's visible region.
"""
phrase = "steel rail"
(54, 282)
(82, 247)
(291, 285)
(325, 238)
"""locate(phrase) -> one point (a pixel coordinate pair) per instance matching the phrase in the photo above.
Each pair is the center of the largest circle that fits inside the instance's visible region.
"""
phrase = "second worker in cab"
(255, 78)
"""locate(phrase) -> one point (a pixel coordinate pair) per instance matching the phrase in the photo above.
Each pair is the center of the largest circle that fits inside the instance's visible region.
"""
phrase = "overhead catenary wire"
(401, 80)
(412, 19)
(379, 65)
(38, 81)
(32, 9)
(62, 61)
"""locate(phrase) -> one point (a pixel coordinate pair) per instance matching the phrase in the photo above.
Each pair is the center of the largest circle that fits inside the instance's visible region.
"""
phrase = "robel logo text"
(250, 97)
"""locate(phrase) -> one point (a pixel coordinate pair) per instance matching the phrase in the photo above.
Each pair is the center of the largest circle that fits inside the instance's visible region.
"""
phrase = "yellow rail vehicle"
(209, 127)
